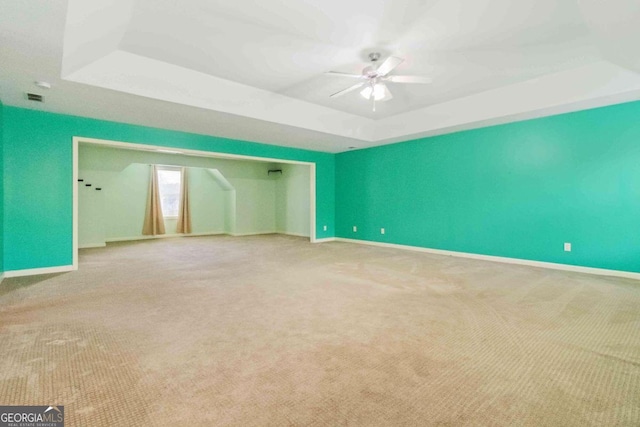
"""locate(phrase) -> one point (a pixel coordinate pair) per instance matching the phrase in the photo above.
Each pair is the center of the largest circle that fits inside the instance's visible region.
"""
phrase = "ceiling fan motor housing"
(370, 71)
(374, 56)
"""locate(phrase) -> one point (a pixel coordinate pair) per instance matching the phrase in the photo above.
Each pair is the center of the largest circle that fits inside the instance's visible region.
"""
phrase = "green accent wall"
(38, 193)
(518, 190)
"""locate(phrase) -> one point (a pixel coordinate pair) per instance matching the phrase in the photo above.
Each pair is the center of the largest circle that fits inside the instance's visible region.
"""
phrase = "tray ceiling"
(255, 70)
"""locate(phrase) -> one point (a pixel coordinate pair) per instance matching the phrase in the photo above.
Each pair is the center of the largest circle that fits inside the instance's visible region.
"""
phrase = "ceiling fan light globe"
(377, 91)
(366, 92)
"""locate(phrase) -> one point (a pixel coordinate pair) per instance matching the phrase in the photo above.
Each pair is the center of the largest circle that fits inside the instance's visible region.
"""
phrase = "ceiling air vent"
(35, 97)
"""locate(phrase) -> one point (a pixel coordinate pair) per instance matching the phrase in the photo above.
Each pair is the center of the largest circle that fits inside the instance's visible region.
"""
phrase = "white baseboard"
(166, 236)
(130, 239)
(292, 234)
(505, 260)
(92, 245)
(325, 240)
(254, 233)
(160, 236)
(35, 271)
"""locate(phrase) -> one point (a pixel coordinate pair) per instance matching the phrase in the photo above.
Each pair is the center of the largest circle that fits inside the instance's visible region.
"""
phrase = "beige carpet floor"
(275, 331)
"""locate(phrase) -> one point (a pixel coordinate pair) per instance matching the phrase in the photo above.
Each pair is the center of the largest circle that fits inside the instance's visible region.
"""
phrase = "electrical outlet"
(382, 231)
(324, 228)
(567, 247)
(355, 229)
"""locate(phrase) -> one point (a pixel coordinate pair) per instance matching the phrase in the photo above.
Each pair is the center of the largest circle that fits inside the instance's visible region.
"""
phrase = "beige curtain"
(153, 219)
(184, 214)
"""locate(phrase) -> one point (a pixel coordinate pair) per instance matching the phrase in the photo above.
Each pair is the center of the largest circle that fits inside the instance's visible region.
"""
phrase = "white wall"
(292, 200)
(91, 211)
(117, 211)
(237, 197)
(255, 205)
(125, 201)
(208, 203)
(230, 212)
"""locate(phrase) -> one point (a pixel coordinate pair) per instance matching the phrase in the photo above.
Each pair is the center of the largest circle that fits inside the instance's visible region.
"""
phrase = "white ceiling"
(254, 70)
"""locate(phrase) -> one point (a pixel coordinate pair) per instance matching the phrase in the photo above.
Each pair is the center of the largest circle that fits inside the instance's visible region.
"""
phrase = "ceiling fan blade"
(339, 74)
(409, 79)
(347, 90)
(388, 65)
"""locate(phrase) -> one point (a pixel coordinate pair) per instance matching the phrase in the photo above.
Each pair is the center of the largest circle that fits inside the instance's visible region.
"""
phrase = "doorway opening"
(229, 194)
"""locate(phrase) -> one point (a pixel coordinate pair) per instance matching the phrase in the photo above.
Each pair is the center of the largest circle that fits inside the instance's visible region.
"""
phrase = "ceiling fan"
(374, 77)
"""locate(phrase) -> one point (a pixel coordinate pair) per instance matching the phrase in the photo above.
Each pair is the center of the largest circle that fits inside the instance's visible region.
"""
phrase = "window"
(169, 186)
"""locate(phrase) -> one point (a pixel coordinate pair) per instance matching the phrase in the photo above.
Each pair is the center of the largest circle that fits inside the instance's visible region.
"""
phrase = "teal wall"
(518, 190)
(38, 178)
